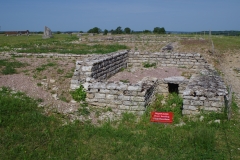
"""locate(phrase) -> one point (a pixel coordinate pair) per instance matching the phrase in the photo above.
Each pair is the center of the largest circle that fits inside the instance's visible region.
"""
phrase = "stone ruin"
(204, 91)
(47, 33)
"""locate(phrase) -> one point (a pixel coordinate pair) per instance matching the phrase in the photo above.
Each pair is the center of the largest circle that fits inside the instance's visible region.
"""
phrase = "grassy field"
(60, 43)
(226, 43)
(26, 133)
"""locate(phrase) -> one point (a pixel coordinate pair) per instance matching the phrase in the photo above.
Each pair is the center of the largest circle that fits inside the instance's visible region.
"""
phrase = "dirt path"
(228, 66)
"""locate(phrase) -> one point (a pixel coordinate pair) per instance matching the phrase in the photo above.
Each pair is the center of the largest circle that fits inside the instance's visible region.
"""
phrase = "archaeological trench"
(204, 91)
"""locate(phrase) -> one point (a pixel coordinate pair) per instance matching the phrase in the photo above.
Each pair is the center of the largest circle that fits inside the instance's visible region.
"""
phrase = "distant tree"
(127, 30)
(105, 32)
(159, 30)
(58, 32)
(94, 30)
(147, 31)
(118, 30)
(81, 32)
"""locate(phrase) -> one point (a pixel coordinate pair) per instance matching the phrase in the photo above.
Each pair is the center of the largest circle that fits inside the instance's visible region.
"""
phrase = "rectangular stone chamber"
(93, 73)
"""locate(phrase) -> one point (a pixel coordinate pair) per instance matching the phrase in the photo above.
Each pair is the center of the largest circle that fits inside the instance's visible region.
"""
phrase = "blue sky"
(81, 15)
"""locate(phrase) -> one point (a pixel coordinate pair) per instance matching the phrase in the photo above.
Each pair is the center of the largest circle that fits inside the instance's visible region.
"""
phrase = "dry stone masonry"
(204, 91)
(189, 60)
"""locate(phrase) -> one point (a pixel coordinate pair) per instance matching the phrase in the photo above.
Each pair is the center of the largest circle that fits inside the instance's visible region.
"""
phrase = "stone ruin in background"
(204, 91)
(47, 33)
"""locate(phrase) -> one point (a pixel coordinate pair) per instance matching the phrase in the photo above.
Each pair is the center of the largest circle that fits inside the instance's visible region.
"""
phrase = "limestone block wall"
(163, 84)
(123, 97)
(204, 92)
(98, 67)
(190, 60)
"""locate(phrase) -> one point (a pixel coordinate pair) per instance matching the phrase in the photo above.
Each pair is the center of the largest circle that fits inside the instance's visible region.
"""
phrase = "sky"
(82, 15)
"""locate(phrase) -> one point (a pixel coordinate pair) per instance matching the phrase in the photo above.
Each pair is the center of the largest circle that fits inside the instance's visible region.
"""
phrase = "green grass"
(58, 44)
(8, 66)
(28, 134)
(148, 64)
(45, 66)
(226, 43)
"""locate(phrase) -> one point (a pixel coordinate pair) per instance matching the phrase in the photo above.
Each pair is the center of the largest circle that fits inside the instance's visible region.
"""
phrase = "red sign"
(162, 117)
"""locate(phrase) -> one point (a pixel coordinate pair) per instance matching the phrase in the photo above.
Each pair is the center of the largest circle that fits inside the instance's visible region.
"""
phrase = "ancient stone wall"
(164, 84)
(122, 97)
(205, 92)
(98, 68)
(189, 60)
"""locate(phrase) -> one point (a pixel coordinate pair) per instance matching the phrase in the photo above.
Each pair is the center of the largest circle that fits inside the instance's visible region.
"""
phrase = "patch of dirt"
(135, 75)
(49, 85)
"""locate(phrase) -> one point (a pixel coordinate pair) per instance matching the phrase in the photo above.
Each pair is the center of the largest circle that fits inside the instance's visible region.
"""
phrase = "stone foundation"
(122, 96)
(185, 60)
(204, 91)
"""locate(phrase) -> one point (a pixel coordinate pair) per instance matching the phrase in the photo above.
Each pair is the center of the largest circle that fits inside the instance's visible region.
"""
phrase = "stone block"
(99, 95)
(111, 97)
(123, 107)
(90, 95)
(128, 103)
(137, 108)
(117, 102)
(217, 104)
(124, 98)
(210, 109)
(190, 97)
(87, 68)
(121, 87)
(194, 108)
(186, 102)
(135, 88)
(111, 86)
(197, 103)
(202, 98)
(138, 99)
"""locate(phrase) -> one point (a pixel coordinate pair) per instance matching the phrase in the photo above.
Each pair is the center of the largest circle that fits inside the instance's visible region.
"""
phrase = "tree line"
(127, 30)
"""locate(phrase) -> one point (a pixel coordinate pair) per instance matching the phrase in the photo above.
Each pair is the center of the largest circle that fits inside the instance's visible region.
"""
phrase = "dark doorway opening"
(173, 88)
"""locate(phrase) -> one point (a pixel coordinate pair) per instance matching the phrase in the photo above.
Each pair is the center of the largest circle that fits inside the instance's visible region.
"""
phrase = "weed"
(148, 64)
(69, 75)
(44, 66)
(79, 94)
(39, 84)
(125, 81)
(84, 111)
(122, 69)
(64, 99)
(60, 71)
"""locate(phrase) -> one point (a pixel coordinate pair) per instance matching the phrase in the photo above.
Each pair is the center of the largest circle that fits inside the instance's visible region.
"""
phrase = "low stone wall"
(206, 92)
(163, 85)
(122, 97)
(189, 60)
(98, 68)
(54, 55)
